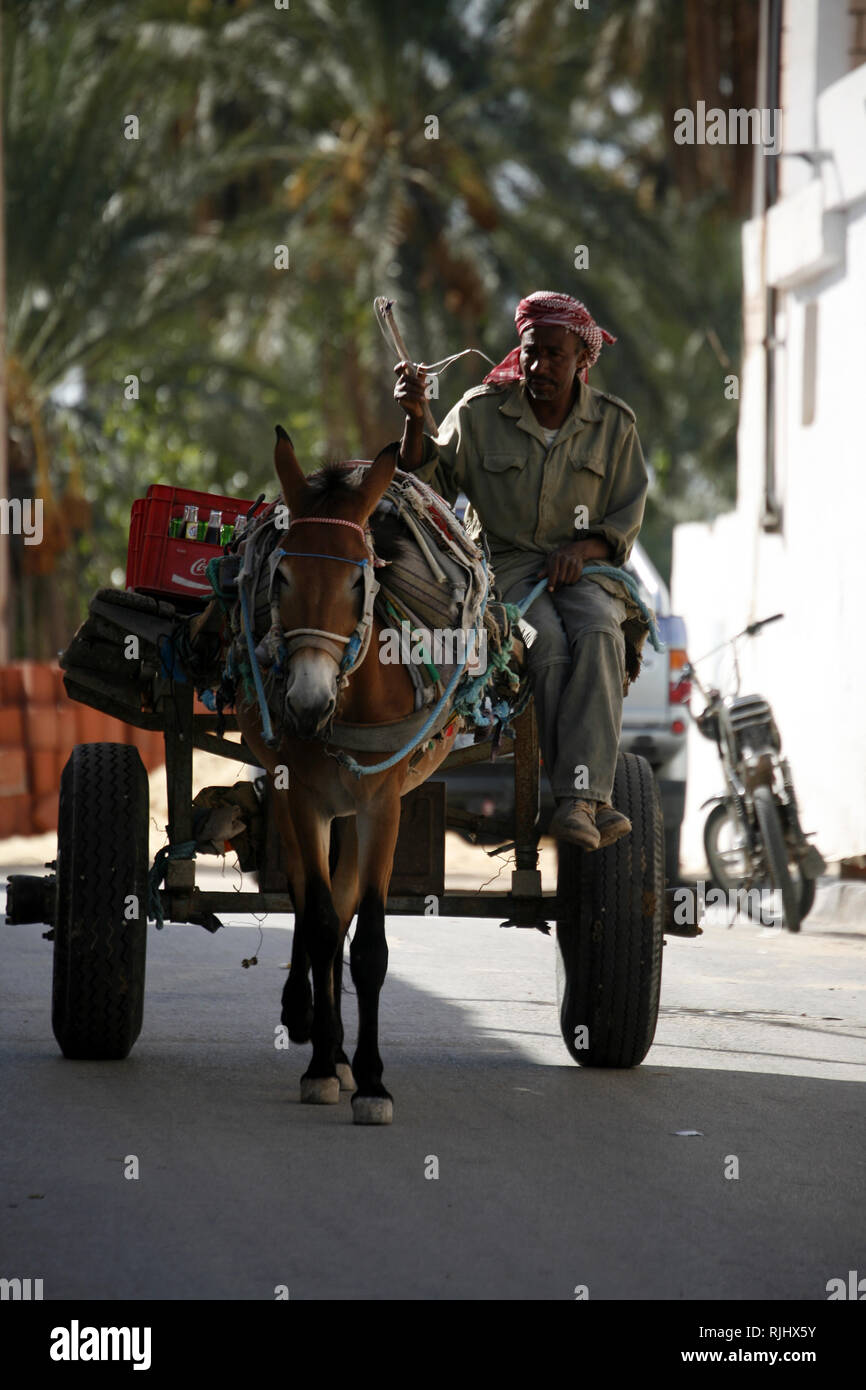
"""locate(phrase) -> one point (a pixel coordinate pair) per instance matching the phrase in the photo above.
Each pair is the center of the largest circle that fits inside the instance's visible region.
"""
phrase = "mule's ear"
(292, 481)
(378, 476)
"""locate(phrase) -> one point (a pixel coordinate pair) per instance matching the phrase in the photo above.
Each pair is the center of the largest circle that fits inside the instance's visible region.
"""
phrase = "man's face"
(550, 356)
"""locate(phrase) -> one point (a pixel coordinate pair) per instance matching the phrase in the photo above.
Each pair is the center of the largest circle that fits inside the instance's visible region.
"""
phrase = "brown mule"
(322, 586)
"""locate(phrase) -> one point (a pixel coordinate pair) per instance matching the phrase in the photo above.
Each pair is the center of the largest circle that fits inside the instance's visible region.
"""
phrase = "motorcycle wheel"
(727, 863)
(776, 853)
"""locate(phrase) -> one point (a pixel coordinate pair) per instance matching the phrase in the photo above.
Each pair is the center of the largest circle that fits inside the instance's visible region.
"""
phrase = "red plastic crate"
(157, 563)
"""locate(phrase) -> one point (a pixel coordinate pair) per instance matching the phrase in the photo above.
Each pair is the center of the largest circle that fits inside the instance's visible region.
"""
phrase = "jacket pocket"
(498, 463)
(595, 462)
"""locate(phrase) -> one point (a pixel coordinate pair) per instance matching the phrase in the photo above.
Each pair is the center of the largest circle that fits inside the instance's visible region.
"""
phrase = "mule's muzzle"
(311, 695)
(308, 723)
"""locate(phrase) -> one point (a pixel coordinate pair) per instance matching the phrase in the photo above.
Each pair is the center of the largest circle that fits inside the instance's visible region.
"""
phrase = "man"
(554, 470)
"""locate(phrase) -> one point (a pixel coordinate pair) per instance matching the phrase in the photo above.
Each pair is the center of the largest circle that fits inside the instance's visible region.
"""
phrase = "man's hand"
(410, 391)
(565, 565)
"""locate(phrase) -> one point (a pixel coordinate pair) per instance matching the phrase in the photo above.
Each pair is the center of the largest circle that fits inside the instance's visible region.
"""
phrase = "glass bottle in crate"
(176, 526)
(214, 525)
(240, 525)
(191, 522)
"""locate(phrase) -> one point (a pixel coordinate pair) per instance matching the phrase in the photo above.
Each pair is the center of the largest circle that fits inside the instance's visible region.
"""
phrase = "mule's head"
(324, 578)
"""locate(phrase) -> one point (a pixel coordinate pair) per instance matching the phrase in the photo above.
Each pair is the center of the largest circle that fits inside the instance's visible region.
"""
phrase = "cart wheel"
(100, 929)
(609, 944)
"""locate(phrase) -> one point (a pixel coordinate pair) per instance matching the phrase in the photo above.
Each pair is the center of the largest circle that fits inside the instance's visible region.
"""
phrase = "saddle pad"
(437, 583)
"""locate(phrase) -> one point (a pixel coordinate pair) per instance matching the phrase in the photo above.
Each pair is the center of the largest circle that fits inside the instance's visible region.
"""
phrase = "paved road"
(549, 1175)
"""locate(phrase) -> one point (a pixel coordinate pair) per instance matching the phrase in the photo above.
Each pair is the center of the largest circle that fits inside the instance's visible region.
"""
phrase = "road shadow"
(509, 1172)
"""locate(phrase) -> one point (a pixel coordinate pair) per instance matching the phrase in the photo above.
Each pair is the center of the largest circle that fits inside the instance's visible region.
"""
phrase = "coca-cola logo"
(200, 567)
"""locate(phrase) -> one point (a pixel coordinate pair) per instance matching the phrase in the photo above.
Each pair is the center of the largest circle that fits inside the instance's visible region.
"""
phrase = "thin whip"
(382, 308)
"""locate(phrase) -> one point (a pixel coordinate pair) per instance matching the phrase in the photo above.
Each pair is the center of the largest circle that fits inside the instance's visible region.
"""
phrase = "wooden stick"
(385, 310)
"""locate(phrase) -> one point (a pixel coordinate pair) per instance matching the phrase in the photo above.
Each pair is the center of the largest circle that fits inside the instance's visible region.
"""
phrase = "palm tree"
(109, 162)
(449, 156)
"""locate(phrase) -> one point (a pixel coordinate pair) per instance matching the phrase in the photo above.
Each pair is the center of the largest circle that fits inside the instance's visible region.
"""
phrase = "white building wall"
(811, 666)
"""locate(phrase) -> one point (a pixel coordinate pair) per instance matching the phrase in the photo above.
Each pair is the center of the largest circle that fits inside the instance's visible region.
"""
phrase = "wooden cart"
(608, 907)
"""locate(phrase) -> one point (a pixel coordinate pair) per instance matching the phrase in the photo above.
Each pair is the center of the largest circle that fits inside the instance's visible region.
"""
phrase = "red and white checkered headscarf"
(546, 306)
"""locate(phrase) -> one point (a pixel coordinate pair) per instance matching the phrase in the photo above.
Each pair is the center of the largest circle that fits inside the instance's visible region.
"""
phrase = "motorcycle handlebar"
(763, 622)
(689, 668)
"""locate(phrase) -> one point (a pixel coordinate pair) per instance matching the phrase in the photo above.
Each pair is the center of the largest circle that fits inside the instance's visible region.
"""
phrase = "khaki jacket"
(491, 446)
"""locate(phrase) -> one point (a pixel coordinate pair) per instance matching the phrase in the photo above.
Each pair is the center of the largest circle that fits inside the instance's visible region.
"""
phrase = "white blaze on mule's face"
(311, 692)
(311, 687)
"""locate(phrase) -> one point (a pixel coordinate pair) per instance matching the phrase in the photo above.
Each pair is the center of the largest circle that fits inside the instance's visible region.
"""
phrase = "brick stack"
(39, 727)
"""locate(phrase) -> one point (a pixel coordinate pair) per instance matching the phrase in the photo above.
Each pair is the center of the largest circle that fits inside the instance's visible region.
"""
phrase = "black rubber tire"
(776, 855)
(807, 896)
(609, 944)
(721, 878)
(102, 859)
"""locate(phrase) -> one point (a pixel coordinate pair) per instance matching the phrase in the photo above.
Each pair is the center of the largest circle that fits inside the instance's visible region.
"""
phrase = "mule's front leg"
(320, 1084)
(377, 837)
(371, 1103)
(344, 891)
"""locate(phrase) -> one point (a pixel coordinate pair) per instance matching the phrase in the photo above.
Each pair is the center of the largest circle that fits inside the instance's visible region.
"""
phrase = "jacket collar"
(518, 405)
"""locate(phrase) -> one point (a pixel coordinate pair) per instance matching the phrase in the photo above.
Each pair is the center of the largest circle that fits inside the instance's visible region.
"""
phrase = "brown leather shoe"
(574, 821)
(611, 824)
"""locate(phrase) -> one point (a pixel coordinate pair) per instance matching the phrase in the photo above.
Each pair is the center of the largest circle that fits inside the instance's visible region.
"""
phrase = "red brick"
(44, 813)
(41, 726)
(11, 685)
(67, 732)
(15, 816)
(38, 681)
(157, 750)
(43, 772)
(14, 777)
(11, 728)
(139, 738)
(89, 724)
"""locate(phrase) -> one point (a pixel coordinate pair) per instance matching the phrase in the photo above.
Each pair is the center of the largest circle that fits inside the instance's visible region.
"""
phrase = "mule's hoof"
(320, 1090)
(345, 1077)
(372, 1110)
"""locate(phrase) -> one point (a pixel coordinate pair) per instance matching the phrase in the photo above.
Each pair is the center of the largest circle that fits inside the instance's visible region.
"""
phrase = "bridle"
(357, 643)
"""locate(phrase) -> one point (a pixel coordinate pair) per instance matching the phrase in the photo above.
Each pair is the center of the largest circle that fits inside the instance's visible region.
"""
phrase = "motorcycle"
(752, 837)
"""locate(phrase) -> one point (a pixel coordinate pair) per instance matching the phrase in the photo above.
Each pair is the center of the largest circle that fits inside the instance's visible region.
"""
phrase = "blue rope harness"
(366, 769)
(317, 555)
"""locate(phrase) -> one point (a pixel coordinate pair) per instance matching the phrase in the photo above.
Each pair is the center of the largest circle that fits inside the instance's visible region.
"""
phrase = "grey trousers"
(577, 667)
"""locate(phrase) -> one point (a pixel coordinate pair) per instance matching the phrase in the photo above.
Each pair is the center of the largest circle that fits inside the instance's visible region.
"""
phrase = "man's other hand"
(410, 391)
(565, 565)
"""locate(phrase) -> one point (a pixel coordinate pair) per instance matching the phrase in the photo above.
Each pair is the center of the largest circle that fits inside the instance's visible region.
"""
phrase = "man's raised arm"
(441, 462)
(409, 393)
